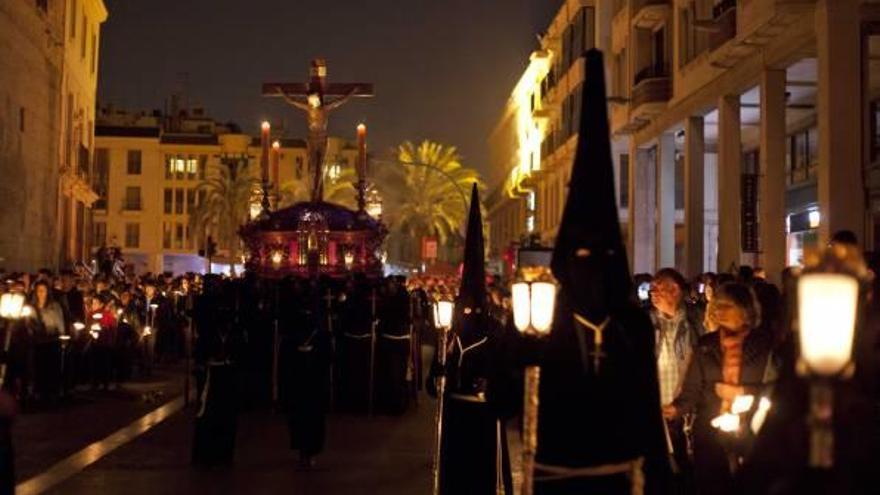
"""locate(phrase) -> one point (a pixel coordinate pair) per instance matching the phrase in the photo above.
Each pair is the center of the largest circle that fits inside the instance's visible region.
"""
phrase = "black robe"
(355, 352)
(588, 418)
(394, 354)
(217, 349)
(481, 394)
(305, 358)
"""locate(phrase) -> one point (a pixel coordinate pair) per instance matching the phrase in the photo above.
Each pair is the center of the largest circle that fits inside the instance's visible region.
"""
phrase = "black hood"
(589, 258)
(472, 292)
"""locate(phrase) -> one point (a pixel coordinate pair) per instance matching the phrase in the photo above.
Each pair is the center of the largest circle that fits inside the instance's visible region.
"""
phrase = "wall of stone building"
(29, 126)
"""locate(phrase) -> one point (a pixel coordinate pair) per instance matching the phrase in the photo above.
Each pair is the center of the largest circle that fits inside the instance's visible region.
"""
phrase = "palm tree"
(226, 203)
(427, 195)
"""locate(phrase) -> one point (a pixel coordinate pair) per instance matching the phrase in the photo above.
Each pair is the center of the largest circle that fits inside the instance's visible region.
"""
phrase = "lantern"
(827, 319)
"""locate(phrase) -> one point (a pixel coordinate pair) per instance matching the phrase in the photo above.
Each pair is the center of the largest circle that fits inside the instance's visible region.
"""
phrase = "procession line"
(91, 454)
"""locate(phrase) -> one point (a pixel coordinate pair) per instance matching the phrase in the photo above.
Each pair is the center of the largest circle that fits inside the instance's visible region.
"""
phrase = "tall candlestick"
(264, 145)
(276, 157)
(362, 166)
(362, 151)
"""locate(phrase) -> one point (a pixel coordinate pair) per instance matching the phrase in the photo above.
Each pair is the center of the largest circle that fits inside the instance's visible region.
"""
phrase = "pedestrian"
(736, 360)
(677, 326)
(49, 326)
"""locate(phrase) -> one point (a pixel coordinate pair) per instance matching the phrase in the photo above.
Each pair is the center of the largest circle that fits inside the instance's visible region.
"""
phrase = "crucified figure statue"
(317, 99)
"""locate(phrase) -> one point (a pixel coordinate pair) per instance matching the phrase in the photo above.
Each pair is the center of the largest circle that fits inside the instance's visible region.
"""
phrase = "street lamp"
(443, 321)
(534, 299)
(828, 304)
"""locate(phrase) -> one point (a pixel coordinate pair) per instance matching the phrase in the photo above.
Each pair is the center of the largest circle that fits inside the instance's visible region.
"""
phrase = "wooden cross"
(317, 99)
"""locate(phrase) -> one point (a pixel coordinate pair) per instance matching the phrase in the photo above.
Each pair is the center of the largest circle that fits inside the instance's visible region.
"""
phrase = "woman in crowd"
(733, 361)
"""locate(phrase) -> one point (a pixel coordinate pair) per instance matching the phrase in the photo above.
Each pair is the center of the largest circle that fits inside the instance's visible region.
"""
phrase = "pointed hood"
(472, 292)
(589, 258)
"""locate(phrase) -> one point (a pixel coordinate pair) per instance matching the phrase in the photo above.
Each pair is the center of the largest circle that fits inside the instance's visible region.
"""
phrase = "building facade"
(744, 130)
(148, 169)
(48, 76)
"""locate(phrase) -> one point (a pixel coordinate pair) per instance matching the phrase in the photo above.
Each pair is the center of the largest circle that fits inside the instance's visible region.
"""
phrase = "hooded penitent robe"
(599, 426)
(479, 396)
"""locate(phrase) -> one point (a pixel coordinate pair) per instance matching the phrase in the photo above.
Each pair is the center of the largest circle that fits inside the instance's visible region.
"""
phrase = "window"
(94, 60)
(178, 201)
(169, 201)
(178, 236)
(132, 198)
(166, 236)
(189, 239)
(679, 181)
(134, 162)
(21, 119)
(190, 200)
(74, 6)
(203, 163)
(82, 43)
(132, 235)
(100, 237)
(101, 178)
(624, 181)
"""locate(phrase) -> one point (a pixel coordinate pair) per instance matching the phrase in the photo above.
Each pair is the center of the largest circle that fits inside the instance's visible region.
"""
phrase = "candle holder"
(829, 292)
(534, 299)
(12, 308)
(443, 322)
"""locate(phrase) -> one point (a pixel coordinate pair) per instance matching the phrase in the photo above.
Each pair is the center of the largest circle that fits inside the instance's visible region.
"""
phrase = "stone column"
(694, 184)
(665, 192)
(839, 108)
(641, 210)
(729, 169)
(772, 174)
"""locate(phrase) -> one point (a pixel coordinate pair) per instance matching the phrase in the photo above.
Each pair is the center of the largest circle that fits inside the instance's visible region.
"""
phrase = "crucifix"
(317, 99)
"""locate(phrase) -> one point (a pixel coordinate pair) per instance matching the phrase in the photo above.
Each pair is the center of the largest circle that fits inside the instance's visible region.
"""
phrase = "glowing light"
(147, 331)
(11, 305)
(742, 403)
(97, 316)
(27, 311)
(349, 259)
(815, 218)
(522, 307)
(276, 145)
(444, 313)
(277, 257)
(265, 126)
(78, 326)
(727, 422)
(543, 302)
(827, 314)
(314, 100)
(760, 415)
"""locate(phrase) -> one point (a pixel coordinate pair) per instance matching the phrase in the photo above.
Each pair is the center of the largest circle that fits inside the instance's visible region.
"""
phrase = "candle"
(362, 151)
(264, 145)
(276, 157)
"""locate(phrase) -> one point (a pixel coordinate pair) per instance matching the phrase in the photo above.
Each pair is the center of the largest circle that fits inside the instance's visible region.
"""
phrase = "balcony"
(650, 14)
(740, 28)
(724, 20)
(652, 89)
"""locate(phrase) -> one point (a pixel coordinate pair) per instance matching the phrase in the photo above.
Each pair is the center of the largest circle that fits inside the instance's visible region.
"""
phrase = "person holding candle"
(736, 360)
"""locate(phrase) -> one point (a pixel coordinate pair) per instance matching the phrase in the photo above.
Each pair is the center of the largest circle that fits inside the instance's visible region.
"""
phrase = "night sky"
(442, 69)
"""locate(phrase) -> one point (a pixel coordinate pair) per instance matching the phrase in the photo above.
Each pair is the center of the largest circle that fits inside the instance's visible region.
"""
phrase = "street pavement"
(46, 434)
(380, 455)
